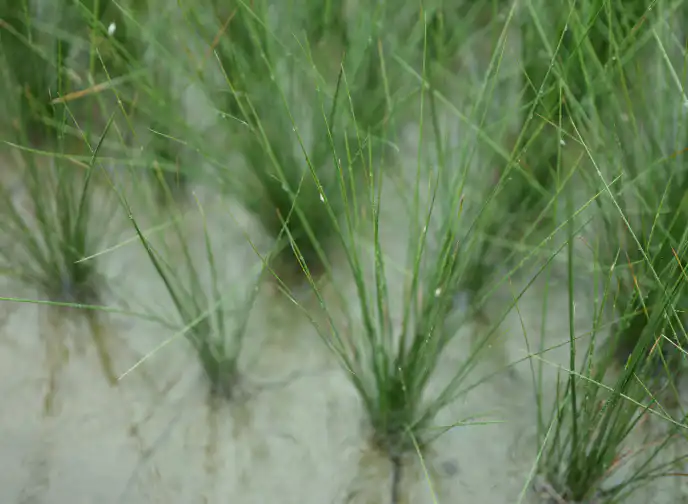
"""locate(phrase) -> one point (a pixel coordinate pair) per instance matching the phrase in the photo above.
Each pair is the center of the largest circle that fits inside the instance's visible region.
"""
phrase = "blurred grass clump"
(617, 88)
(589, 449)
(215, 331)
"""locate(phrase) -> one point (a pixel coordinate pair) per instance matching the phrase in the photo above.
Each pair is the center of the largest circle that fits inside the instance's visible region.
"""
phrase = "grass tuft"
(203, 309)
(590, 449)
(392, 358)
(607, 433)
(46, 244)
(275, 184)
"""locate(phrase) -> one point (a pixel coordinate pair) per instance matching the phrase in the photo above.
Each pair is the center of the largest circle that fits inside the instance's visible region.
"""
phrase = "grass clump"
(393, 358)
(276, 184)
(638, 142)
(656, 207)
(51, 219)
(201, 301)
(588, 72)
(48, 242)
(50, 48)
(30, 71)
(590, 450)
(310, 171)
(611, 431)
(516, 191)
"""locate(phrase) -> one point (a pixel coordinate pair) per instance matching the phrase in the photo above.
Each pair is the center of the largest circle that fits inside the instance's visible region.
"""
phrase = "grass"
(40, 47)
(281, 190)
(282, 195)
(57, 183)
(391, 358)
(589, 447)
(644, 150)
(659, 224)
(45, 246)
(270, 177)
(201, 300)
(67, 220)
(33, 70)
(53, 220)
(299, 120)
(586, 453)
(521, 184)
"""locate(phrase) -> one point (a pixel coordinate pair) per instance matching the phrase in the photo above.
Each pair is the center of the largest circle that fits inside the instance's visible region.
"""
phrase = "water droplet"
(438, 292)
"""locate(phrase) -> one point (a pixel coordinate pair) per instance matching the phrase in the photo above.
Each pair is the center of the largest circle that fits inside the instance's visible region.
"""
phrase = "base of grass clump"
(90, 330)
(403, 452)
(223, 375)
(54, 218)
(81, 286)
(394, 445)
(396, 429)
(548, 495)
(392, 448)
(394, 424)
(225, 387)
